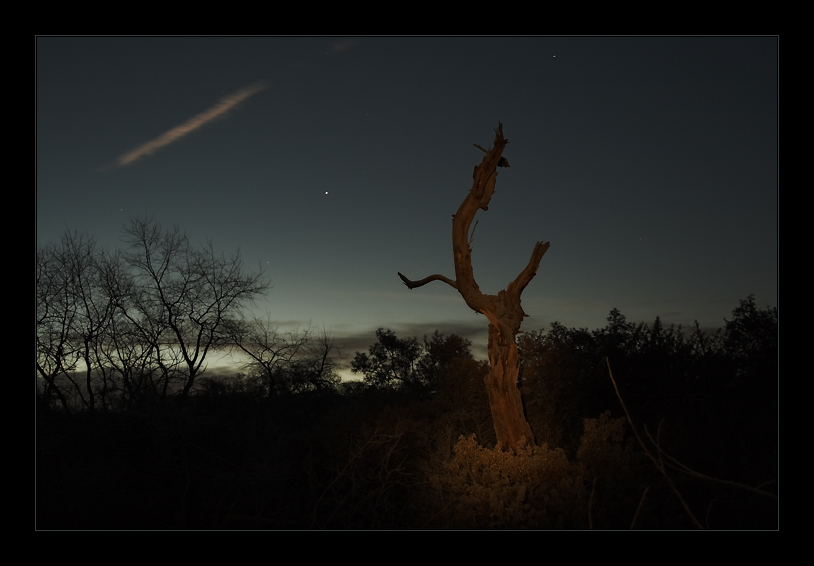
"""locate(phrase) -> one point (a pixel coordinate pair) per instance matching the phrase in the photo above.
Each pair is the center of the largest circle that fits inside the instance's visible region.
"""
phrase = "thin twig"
(676, 465)
(590, 505)
(639, 508)
(658, 463)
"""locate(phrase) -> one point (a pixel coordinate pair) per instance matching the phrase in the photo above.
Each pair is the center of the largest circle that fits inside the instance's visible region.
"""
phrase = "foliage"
(540, 487)
(751, 340)
(406, 364)
(392, 361)
(532, 487)
(441, 353)
(276, 451)
(663, 371)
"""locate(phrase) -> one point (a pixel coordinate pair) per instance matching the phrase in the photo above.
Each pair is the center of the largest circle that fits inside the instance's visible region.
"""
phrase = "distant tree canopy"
(564, 374)
(407, 364)
(120, 336)
(116, 329)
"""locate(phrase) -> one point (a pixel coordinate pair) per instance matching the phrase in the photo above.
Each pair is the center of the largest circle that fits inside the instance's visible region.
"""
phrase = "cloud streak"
(220, 109)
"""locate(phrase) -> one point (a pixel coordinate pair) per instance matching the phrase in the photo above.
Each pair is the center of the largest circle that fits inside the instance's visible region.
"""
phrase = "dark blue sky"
(650, 164)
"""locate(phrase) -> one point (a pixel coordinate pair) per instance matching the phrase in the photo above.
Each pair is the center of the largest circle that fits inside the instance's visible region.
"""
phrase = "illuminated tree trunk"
(503, 310)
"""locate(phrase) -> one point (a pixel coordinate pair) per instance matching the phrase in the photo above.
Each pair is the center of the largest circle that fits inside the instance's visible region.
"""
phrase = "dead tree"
(503, 310)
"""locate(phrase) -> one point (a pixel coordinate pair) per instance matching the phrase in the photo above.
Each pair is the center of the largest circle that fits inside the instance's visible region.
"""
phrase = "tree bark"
(502, 310)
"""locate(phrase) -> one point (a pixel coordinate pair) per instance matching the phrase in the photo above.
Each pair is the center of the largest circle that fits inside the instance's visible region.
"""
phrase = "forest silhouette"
(133, 433)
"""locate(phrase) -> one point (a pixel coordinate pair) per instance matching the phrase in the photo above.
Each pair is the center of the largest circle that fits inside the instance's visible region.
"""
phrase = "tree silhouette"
(441, 354)
(392, 361)
(503, 310)
(187, 293)
(751, 338)
(58, 354)
(404, 363)
(133, 322)
(285, 362)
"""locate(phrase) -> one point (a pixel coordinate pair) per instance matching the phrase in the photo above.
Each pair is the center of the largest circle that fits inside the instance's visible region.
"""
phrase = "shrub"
(532, 487)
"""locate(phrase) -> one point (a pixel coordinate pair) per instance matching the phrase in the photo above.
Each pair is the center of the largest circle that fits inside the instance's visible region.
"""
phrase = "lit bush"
(532, 487)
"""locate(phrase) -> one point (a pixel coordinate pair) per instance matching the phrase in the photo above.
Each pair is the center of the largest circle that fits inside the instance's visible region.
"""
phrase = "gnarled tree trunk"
(503, 310)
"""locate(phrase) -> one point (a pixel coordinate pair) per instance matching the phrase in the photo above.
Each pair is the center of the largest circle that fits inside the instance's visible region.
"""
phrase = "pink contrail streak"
(224, 105)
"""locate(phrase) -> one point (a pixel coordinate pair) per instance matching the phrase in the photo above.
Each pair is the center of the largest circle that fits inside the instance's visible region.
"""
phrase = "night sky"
(649, 164)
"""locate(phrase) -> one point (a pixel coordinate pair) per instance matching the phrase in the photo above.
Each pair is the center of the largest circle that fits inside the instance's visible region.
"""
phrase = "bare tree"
(186, 294)
(131, 350)
(74, 312)
(94, 309)
(286, 362)
(503, 310)
(57, 355)
(317, 370)
(270, 351)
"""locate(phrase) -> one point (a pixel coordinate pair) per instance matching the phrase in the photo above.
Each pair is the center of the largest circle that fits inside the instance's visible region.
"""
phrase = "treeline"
(118, 329)
(410, 445)
(730, 373)
(140, 438)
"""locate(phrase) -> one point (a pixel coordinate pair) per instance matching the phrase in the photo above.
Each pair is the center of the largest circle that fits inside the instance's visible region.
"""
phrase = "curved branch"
(676, 465)
(436, 277)
(530, 271)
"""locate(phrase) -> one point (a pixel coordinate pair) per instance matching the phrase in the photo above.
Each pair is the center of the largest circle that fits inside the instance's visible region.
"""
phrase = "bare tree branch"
(436, 277)
(192, 291)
